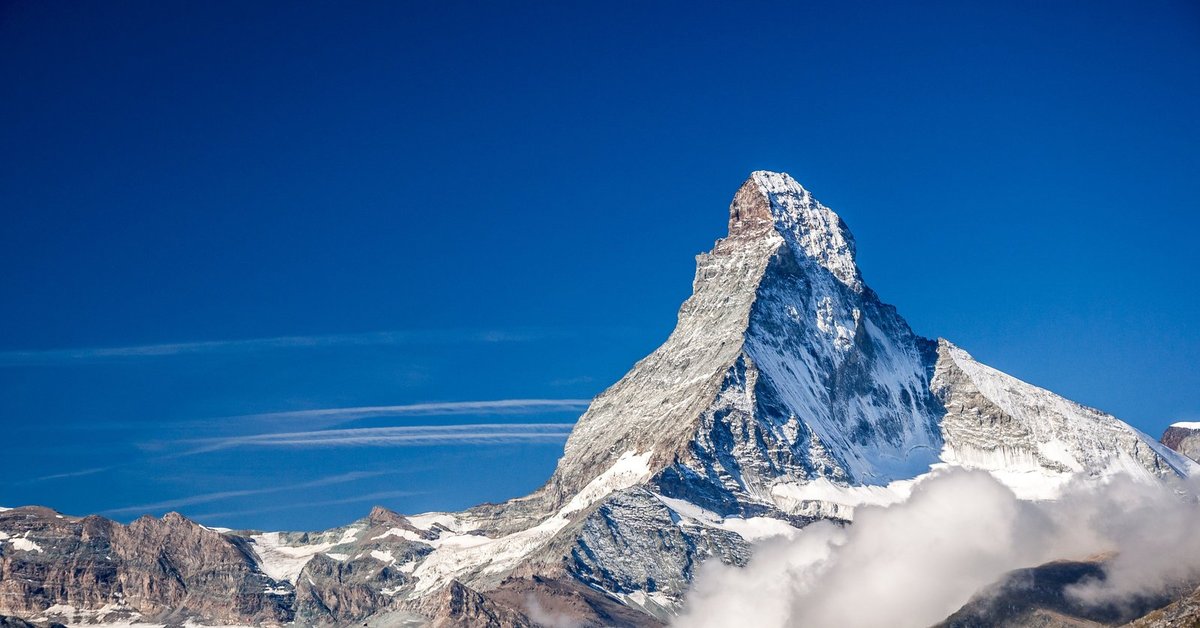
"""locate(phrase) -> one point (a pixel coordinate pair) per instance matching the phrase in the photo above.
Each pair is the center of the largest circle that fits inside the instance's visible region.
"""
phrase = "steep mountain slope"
(783, 363)
(1182, 613)
(787, 392)
(1032, 439)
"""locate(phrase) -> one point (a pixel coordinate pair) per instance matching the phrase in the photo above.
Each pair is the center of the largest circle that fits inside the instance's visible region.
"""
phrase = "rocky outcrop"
(459, 606)
(7, 621)
(1183, 438)
(1182, 613)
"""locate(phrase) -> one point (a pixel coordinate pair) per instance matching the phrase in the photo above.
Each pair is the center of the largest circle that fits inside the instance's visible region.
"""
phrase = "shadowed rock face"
(785, 373)
(1182, 613)
(1040, 597)
(1184, 438)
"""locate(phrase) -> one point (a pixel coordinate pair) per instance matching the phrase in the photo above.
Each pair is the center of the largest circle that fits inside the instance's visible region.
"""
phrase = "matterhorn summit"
(784, 366)
(788, 392)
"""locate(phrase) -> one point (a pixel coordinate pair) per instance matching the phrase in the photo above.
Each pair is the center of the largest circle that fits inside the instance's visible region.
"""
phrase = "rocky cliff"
(1183, 438)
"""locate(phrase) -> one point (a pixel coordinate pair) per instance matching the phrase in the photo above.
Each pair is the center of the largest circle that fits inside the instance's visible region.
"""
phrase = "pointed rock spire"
(812, 230)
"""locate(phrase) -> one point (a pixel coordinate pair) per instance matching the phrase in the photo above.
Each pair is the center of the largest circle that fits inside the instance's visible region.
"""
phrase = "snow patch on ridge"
(383, 557)
(282, 561)
(428, 520)
(25, 545)
(407, 535)
(824, 498)
(457, 554)
(1187, 425)
(751, 529)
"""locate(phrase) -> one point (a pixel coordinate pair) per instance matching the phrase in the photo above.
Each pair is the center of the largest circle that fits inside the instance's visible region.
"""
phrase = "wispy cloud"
(404, 436)
(318, 418)
(205, 498)
(73, 474)
(449, 408)
(250, 345)
(358, 499)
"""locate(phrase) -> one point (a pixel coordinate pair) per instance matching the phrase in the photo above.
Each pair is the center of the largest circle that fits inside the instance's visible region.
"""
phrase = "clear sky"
(214, 213)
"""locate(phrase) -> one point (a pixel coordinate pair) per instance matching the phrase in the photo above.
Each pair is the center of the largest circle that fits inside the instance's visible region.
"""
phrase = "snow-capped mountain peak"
(782, 365)
(812, 230)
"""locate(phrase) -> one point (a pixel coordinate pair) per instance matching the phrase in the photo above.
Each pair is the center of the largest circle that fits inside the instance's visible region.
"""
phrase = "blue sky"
(215, 214)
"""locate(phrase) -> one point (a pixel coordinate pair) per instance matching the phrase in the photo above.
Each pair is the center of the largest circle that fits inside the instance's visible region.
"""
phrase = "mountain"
(1184, 438)
(1182, 613)
(788, 392)
(1038, 597)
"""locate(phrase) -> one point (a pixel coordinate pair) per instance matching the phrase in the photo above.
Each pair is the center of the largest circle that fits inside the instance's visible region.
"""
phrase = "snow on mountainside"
(783, 365)
(787, 392)
(1032, 439)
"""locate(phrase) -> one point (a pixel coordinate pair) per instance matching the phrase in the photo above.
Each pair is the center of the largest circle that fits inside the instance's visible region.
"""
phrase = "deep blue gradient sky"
(402, 203)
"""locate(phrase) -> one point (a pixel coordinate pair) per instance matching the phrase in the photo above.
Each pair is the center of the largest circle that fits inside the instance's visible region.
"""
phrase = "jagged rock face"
(460, 606)
(996, 422)
(784, 367)
(152, 568)
(611, 545)
(339, 592)
(786, 392)
(348, 574)
(1184, 438)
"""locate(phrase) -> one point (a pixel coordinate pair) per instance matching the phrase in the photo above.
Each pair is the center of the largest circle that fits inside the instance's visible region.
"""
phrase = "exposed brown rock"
(568, 602)
(457, 605)
(162, 569)
(1185, 440)
(750, 211)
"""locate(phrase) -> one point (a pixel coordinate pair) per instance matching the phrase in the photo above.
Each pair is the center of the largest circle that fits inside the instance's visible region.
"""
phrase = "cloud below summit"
(916, 562)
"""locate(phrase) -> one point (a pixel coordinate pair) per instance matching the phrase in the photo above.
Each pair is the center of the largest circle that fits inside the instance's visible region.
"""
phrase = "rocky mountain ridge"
(1183, 437)
(787, 392)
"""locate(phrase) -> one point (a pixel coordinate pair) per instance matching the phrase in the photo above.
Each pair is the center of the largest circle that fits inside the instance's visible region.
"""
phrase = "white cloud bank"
(916, 562)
